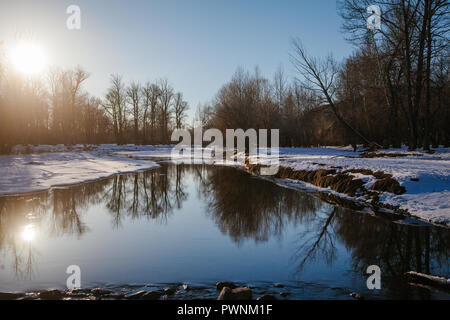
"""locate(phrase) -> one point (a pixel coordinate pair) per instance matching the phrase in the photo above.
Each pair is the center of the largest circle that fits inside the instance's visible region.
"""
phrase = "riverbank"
(219, 291)
(44, 167)
(394, 180)
(397, 181)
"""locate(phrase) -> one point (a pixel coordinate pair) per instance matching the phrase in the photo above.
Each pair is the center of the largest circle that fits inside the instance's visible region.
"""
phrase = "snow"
(427, 198)
(36, 172)
(429, 279)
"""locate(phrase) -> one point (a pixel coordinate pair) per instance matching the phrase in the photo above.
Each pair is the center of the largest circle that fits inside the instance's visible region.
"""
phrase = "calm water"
(198, 224)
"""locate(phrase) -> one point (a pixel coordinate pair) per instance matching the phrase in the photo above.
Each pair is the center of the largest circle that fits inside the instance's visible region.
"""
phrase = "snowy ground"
(24, 173)
(428, 198)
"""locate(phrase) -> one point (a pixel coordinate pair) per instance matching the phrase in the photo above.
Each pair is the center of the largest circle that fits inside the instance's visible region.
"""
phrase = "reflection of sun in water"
(29, 233)
(27, 58)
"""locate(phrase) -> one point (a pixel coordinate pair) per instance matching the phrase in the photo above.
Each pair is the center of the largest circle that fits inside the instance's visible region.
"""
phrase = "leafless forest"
(393, 90)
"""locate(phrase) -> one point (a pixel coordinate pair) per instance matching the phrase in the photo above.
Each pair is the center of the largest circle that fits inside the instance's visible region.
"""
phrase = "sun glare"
(29, 233)
(28, 58)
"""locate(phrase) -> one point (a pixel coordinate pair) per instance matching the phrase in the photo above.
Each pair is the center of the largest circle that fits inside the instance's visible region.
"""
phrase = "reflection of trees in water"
(317, 240)
(245, 207)
(15, 214)
(395, 248)
(151, 194)
(23, 263)
(248, 208)
(70, 203)
(55, 212)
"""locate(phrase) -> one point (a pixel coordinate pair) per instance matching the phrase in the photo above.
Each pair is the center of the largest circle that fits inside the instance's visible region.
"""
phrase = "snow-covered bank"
(35, 172)
(426, 177)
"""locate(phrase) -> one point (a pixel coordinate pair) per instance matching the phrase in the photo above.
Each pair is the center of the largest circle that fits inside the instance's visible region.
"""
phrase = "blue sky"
(196, 44)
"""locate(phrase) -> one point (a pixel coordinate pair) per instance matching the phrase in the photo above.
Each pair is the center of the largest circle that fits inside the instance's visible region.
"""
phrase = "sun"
(28, 58)
(29, 233)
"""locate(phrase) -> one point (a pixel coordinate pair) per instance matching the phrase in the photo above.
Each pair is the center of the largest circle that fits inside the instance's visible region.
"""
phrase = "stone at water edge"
(242, 293)
(51, 295)
(266, 297)
(136, 295)
(225, 294)
(170, 291)
(356, 295)
(222, 284)
(151, 295)
(77, 293)
(187, 287)
(100, 292)
(278, 285)
(10, 296)
(28, 297)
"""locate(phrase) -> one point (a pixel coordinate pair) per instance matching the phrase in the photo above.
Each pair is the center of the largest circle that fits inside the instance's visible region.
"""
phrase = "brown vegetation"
(388, 185)
(55, 109)
(393, 90)
(342, 182)
(388, 155)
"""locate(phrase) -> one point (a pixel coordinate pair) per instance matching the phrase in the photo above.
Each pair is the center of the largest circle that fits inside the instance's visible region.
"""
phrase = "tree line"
(55, 109)
(393, 90)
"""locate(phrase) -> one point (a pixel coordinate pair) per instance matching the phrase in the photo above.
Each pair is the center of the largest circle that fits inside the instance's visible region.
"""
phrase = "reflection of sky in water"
(197, 224)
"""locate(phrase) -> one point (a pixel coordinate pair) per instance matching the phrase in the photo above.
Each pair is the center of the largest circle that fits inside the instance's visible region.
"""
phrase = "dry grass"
(388, 155)
(342, 182)
(339, 182)
(388, 185)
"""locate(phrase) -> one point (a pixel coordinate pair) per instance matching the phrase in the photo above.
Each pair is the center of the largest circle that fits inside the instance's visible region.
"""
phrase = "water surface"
(199, 224)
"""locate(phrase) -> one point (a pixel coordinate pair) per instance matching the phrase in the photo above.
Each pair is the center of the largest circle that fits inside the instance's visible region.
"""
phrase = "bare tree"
(66, 96)
(76, 79)
(146, 102)
(134, 96)
(320, 76)
(115, 105)
(150, 93)
(280, 85)
(179, 107)
(412, 32)
(165, 103)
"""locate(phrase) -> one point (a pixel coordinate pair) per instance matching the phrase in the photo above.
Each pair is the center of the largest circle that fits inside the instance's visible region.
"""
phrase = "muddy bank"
(388, 155)
(343, 181)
